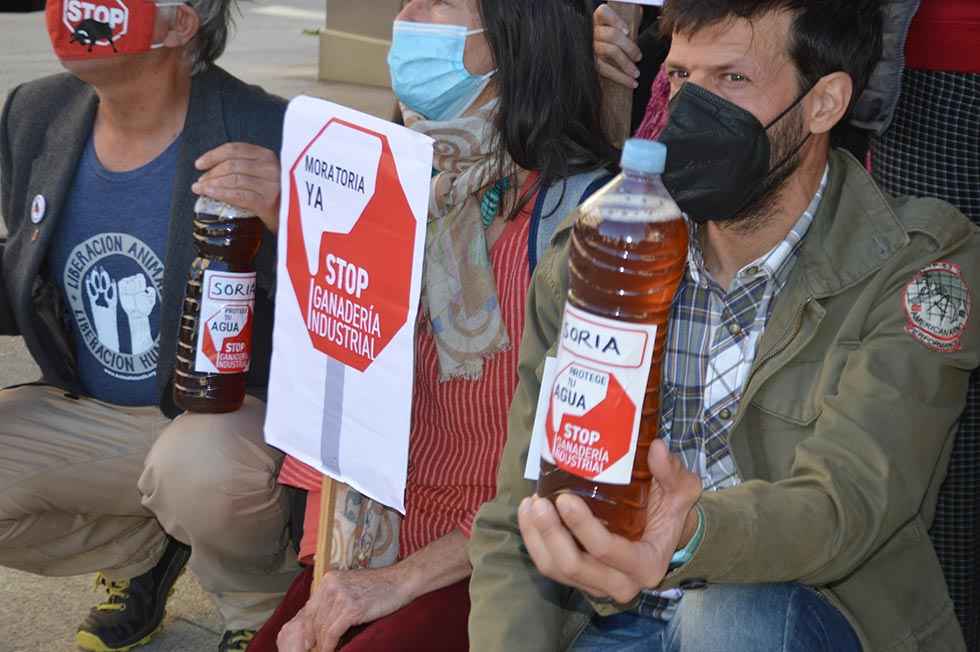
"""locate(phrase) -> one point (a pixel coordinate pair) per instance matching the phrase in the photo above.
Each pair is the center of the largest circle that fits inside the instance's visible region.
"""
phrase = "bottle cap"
(208, 206)
(644, 156)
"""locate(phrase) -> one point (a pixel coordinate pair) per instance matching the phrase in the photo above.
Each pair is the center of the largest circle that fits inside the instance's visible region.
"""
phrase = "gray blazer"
(43, 132)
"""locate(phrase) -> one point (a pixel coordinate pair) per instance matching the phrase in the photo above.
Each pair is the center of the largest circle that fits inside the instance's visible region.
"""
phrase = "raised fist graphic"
(137, 300)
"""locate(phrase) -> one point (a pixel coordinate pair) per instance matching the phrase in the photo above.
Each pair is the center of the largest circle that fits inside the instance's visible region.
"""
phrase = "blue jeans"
(730, 618)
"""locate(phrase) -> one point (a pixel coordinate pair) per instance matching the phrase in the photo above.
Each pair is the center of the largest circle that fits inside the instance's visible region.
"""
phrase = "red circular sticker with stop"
(227, 339)
(595, 428)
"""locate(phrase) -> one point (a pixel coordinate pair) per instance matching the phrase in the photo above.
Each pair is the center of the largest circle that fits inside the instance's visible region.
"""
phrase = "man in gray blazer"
(97, 168)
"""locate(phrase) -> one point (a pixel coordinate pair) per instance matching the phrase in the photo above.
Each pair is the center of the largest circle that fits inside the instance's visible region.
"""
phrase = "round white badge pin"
(38, 208)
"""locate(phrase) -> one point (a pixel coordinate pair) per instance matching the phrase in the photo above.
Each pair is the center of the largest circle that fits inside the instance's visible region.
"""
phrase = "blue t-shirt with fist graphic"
(107, 256)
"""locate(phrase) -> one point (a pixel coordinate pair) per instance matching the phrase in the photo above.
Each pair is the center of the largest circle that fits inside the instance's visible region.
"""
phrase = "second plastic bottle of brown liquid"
(215, 345)
(628, 255)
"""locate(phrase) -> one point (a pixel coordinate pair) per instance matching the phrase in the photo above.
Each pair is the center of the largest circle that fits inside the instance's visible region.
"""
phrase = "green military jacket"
(842, 438)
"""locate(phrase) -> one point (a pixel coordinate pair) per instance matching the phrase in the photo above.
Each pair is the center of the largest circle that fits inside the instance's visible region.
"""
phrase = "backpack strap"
(556, 202)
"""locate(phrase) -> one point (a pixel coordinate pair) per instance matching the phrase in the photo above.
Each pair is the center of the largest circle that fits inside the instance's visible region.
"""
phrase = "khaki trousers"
(87, 486)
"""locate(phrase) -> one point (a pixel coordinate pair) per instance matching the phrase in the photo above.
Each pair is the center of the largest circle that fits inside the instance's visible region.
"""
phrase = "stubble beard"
(761, 210)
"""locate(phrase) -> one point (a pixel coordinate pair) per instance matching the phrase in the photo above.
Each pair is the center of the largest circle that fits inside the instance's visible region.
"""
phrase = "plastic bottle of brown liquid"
(214, 348)
(628, 254)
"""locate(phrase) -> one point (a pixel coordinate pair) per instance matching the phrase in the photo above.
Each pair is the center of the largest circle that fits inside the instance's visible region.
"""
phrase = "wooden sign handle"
(617, 100)
(324, 533)
(329, 489)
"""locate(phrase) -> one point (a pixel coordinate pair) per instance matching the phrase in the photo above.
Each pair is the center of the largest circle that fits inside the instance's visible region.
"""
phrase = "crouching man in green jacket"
(817, 360)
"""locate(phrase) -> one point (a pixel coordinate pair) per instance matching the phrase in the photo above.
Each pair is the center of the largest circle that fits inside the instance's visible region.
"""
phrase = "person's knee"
(8, 530)
(746, 617)
(204, 475)
(743, 617)
(20, 509)
(813, 623)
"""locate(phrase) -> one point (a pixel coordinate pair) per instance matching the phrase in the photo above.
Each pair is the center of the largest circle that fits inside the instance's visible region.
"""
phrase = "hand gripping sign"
(351, 237)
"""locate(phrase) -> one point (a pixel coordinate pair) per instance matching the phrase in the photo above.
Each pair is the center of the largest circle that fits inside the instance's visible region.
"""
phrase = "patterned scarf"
(459, 292)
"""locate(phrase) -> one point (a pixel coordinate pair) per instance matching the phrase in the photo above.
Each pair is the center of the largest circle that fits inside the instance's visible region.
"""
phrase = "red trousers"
(436, 622)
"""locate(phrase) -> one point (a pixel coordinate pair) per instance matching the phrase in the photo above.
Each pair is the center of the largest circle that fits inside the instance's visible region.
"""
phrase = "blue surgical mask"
(427, 70)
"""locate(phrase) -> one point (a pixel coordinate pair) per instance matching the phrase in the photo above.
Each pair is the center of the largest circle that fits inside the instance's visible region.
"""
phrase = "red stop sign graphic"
(358, 298)
(228, 339)
(114, 14)
(589, 444)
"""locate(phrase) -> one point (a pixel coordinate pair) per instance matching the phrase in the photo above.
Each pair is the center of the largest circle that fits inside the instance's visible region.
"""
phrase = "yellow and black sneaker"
(133, 612)
(236, 640)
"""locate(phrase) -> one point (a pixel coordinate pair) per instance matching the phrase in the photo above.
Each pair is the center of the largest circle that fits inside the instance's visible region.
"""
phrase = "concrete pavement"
(269, 49)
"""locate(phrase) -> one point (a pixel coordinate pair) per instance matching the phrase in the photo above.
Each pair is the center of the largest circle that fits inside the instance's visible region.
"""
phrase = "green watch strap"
(686, 553)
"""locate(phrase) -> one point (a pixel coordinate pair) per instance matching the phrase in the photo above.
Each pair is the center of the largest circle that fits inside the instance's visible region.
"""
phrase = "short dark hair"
(550, 105)
(826, 36)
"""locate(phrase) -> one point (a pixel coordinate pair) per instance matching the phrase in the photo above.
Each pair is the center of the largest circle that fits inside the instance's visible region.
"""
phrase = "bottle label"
(596, 396)
(224, 339)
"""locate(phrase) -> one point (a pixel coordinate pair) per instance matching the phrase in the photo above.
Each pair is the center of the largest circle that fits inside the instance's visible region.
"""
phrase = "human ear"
(829, 101)
(184, 27)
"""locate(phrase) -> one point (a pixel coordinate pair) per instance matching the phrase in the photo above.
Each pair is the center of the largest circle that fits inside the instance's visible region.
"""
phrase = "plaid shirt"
(711, 345)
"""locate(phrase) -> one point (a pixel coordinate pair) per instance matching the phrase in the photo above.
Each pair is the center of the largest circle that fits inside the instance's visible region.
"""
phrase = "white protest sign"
(351, 240)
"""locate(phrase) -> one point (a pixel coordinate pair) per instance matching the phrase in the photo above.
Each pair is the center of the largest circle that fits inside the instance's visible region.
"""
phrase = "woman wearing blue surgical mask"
(509, 91)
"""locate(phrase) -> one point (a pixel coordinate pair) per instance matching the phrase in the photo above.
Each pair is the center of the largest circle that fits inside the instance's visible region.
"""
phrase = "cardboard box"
(354, 46)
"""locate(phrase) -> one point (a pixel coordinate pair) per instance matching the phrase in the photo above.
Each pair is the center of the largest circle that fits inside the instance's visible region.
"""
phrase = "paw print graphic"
(103, 299)
(101, 289)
